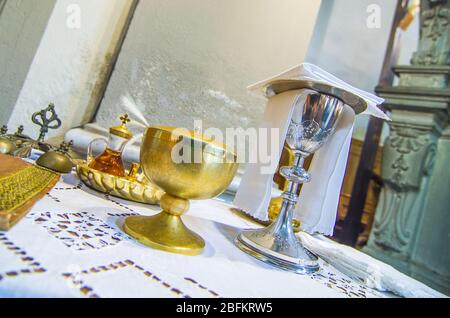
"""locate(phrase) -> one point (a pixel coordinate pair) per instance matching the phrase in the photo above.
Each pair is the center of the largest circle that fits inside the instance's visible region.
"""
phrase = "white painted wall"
(22, 24)
(245, 41)
(68, 62)
(185, 60)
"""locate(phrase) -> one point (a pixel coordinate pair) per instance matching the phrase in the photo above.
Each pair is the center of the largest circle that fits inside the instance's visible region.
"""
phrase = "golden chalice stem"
(173, 205)
(166, 231)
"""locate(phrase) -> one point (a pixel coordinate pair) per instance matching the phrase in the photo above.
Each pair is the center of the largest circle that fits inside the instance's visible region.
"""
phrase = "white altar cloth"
(71, 245)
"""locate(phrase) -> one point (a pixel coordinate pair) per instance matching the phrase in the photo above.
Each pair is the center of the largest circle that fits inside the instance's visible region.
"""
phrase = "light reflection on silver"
(314, 120)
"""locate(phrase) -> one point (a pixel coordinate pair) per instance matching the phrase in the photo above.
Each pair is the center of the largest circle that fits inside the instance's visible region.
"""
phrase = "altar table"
(71, 245)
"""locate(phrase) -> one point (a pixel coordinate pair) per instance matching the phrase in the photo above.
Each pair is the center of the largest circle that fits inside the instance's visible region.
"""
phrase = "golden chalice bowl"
(187, 166)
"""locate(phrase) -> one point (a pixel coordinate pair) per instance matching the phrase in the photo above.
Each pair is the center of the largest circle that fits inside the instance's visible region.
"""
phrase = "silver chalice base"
(288, 254)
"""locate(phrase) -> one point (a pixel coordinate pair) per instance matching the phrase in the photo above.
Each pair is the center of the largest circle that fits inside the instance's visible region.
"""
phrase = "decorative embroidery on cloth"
(340, 282)
(53, 198)
(80, 231)
(86, 231)
(88, 291)
(193, 281)
(79, 186)
(108, 197)
(31, 266)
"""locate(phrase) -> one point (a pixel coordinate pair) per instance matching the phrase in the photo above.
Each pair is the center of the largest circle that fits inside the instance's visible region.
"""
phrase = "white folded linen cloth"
(372, 272)
(318, 202)
(308, 71)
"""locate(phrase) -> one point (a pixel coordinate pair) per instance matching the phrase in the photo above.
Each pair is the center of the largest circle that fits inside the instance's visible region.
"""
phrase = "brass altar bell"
(110, 160)
(19, 137)
(6, 145)
(57, 160)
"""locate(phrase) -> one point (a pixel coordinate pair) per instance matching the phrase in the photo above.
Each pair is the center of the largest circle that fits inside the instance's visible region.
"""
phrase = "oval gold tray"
(124, 188)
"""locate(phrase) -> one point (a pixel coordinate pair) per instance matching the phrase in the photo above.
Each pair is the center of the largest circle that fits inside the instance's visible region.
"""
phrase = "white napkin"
(318, 202)
(308, 71)
(254, 192)
(372, 272)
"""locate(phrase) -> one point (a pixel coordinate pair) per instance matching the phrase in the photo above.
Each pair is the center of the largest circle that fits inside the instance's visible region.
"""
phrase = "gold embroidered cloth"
(21, 186)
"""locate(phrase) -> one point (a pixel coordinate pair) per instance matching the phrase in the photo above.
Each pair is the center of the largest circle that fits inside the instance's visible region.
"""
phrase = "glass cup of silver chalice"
(314, 120)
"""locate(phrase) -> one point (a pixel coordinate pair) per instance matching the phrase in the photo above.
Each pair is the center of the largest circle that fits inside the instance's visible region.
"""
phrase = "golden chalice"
(187, 166)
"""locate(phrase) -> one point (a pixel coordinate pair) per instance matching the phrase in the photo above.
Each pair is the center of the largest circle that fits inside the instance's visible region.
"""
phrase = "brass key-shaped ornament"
(47, 117)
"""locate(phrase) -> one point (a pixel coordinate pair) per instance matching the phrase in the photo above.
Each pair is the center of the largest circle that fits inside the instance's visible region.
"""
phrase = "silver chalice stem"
(277, 244)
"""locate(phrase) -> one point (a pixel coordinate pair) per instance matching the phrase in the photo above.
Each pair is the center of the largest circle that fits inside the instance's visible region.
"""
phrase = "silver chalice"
(314, 120)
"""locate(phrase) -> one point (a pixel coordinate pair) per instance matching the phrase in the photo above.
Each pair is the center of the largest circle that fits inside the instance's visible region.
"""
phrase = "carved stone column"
(412, 222)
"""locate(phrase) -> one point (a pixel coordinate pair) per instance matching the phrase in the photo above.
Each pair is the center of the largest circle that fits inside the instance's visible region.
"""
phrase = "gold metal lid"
(122, 130)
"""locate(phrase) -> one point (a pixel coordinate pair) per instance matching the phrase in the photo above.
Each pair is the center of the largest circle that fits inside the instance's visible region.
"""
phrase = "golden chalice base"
(166, 231)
